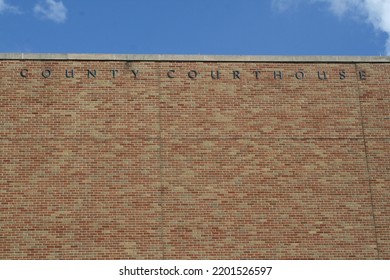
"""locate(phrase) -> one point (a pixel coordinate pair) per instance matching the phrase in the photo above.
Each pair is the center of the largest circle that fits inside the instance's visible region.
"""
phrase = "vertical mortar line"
(366, 155)
(161, 165)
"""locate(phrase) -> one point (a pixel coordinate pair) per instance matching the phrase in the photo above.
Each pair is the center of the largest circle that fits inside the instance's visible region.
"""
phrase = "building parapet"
(200, 58)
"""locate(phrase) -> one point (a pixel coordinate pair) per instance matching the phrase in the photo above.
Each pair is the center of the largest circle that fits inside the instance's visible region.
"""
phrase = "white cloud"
(375, 12)
(341, 7)
(4, 7)
(51, 10)
(282, 5)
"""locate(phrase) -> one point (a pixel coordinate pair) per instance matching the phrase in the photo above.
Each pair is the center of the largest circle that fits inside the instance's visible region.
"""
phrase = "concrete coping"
(200, 58)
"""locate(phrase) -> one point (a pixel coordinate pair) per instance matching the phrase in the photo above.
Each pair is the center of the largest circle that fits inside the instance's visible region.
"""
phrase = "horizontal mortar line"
(276, 138)
(266, 138)
(78, 139)
(189, 138)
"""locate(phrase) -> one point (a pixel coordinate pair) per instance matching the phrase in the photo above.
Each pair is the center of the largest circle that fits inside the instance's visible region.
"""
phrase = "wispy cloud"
(51, 10)
(375, 12)
(283, 5)
(4, 7)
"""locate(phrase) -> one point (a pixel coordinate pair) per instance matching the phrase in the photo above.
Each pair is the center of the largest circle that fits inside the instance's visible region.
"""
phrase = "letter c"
(170, 74)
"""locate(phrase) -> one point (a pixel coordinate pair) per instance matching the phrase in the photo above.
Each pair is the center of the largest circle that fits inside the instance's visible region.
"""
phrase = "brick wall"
(163, 161)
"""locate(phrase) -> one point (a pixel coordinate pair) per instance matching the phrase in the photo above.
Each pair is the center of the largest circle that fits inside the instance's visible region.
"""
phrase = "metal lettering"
(24, 73)
(278, 74)
(91, 73)
(362, 75)
(300, 75)
(343, 75)
(135, 73)
(195, 74)
(170, 74)
(67, 73)
(46, 73)
(114, 73)
(192, 74)
(216, 77)
(323, 77)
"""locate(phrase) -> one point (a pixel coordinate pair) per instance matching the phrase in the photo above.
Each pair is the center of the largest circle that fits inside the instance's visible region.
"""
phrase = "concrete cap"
(200, 58)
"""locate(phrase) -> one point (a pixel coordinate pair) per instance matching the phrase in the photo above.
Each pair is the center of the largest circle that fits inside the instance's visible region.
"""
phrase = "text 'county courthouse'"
(194, 157)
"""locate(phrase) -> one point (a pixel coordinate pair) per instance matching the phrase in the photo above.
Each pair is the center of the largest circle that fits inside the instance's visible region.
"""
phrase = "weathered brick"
(194, 159)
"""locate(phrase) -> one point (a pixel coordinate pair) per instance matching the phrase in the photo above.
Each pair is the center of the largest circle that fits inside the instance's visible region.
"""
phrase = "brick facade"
(194, 159)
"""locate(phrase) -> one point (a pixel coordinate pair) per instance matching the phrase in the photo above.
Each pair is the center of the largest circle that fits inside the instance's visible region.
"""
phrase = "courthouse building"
(194, 157)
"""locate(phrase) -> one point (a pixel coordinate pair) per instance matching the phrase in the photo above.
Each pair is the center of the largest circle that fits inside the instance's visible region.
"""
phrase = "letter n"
(91, 73)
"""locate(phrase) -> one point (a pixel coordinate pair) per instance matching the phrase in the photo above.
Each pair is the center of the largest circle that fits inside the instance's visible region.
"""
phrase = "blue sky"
(241, 27)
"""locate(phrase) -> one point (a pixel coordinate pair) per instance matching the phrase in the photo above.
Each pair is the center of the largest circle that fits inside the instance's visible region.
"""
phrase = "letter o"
(46, 73)
(23, 73)
(192, 74)
(300, 75)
